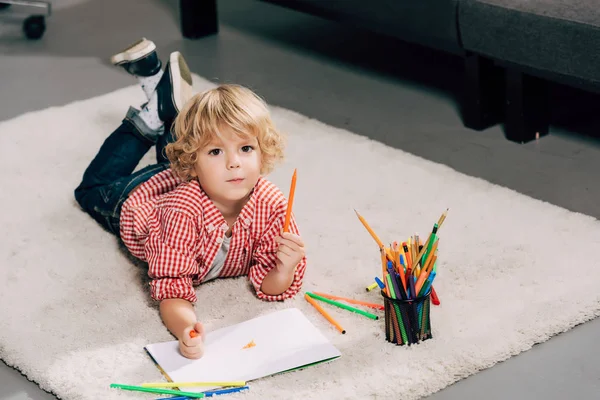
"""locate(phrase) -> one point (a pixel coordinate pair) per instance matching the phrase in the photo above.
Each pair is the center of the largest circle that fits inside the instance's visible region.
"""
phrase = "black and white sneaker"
(174, 88)
(139, 58)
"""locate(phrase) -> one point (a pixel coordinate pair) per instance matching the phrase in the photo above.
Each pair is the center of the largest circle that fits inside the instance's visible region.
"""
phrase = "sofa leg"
(198, 18)
(483, 96)
(527, 107)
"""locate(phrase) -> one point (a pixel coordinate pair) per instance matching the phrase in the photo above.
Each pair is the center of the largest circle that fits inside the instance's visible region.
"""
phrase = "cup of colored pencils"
(408, 271)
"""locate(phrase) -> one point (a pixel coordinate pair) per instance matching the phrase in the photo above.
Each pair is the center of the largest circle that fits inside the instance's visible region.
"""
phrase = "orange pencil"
(373, 234)
(324, 313)
(351, 301)
(288, 212)
(388, 253)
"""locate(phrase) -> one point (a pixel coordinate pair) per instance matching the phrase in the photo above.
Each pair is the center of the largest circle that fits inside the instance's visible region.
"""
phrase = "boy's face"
(228, 168)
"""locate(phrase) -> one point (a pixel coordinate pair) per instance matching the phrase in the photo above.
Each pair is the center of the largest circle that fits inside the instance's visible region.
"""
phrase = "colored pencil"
(423, 277)
(431, 254)
(401, 272)
(387, 251)
(439, 225)
(342, 305)
(192, 384)
(407, 255)
(288, 212)
(443, 218)
(373, 234)
(195, 395)
(211, 393)
(384, 270)
(352, 301)
(324, 313)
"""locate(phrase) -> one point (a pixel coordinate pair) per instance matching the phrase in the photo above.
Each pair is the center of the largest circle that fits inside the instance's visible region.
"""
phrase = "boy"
(204, 209)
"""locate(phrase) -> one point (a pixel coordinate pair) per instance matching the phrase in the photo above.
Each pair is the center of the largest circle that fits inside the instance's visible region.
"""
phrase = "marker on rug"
(351, 301)
(342, 305)
(219, 392)
(197, 395)
(169, 385)
(378, 281)
(211, 393)
(324, 313)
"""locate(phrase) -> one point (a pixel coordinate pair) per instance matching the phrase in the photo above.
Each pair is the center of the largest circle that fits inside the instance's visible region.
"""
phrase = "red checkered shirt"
(175, 227)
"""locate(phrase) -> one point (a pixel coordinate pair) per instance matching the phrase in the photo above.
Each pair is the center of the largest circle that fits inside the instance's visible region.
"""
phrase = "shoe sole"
(181, 80)
(134, 52)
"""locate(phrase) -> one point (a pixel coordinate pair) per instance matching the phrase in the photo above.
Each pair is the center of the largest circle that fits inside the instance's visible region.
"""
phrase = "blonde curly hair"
(230, 105)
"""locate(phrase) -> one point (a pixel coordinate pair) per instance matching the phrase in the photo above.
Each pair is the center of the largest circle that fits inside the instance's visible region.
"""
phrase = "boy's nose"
(233, 162)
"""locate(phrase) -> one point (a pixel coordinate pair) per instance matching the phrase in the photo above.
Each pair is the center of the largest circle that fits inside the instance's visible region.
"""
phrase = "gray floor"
(400, 95)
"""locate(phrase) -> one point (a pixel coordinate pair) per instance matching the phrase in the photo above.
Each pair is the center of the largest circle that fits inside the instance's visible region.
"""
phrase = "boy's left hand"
(290, 251)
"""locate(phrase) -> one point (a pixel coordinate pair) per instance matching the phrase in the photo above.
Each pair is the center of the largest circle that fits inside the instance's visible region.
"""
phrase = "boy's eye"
(247, 149)
(215, 152)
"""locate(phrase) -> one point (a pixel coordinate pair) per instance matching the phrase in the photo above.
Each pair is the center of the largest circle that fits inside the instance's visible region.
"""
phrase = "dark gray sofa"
(431, 23)
(511, 48)
(557, 37)
(533, 41)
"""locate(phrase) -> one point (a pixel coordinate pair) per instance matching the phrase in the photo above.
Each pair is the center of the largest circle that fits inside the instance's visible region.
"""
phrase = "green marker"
(195, 395)
(430, 244)
(342, 305)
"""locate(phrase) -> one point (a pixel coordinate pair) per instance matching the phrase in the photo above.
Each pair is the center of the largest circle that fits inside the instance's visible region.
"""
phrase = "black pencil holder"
(407, 321)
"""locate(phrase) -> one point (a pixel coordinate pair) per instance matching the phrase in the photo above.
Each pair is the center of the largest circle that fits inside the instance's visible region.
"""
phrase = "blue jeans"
(108, 180)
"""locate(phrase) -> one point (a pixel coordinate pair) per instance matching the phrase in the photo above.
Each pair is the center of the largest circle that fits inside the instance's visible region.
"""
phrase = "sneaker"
(174, 88)
(139, 58)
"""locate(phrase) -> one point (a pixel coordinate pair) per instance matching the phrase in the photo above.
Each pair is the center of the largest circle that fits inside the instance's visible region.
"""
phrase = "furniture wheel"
(34, 26)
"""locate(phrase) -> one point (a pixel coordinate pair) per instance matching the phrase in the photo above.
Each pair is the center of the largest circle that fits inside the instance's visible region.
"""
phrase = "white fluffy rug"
(75, 310)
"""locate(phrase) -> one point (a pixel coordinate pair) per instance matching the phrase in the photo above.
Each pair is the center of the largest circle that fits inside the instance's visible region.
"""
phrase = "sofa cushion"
(551, 36)
(427, 22)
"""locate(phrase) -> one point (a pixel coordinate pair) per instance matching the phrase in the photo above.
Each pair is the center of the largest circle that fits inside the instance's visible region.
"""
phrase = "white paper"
(283, 340)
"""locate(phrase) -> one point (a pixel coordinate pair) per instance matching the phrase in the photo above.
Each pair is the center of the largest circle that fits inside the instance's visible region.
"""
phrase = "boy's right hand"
(192, 347)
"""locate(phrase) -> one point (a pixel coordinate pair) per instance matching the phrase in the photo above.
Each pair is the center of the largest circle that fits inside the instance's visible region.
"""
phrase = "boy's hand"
(192, 347)
(290, 251)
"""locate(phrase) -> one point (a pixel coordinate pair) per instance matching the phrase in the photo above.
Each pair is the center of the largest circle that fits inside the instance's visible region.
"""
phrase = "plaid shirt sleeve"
(170, 250)
(265, 255)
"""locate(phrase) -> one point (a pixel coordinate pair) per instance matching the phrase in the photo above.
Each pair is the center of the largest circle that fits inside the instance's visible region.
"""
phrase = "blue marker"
(211, 393)
(381, 285)
(225, 391)
(428, 283)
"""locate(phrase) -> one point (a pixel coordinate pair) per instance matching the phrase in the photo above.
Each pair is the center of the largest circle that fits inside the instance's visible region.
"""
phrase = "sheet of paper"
(279, 341)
